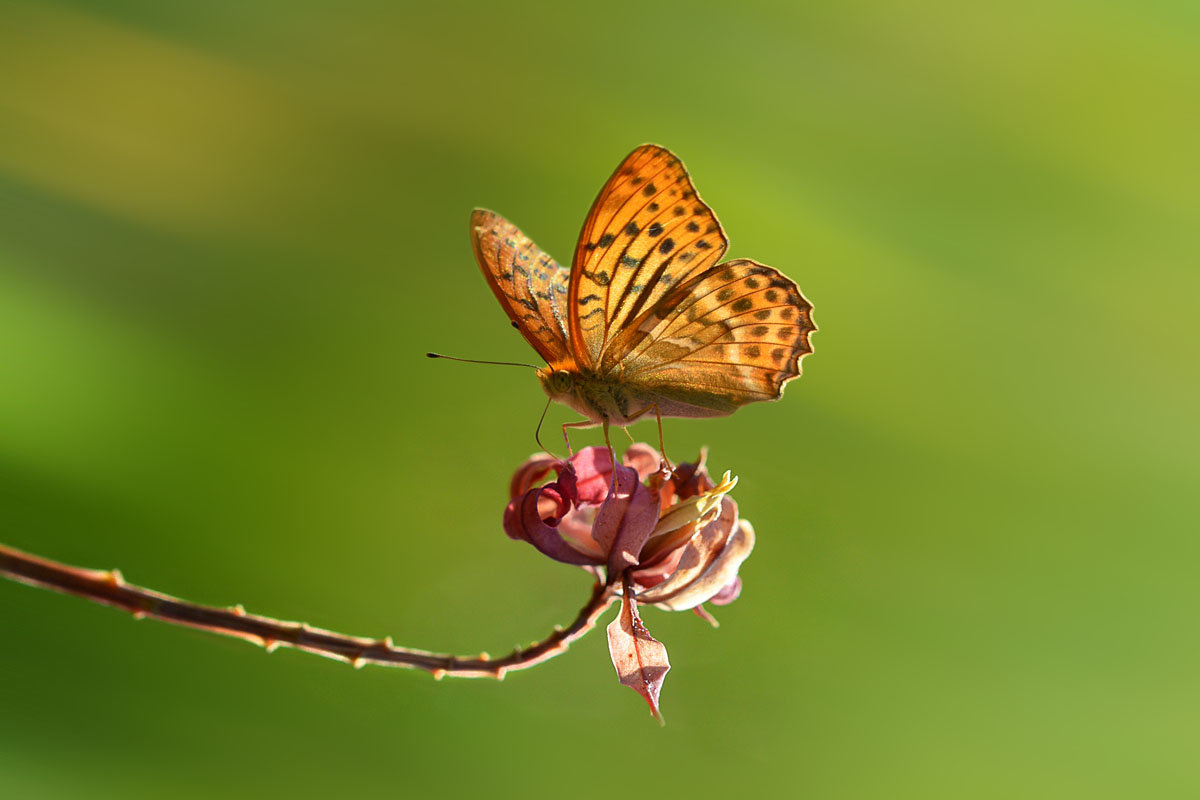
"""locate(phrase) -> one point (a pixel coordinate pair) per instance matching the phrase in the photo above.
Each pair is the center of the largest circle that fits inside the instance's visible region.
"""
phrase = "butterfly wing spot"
(655, 229)
(632, 229)
(666, 245)
(606, 240)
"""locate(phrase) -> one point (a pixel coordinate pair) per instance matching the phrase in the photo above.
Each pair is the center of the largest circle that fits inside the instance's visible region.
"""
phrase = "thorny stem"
(109, 588)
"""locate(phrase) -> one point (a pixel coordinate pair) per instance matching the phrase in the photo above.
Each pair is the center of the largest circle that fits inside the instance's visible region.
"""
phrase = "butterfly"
(647, 320)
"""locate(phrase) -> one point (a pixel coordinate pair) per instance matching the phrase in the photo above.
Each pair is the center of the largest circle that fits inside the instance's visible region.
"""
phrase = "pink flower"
(672, 539)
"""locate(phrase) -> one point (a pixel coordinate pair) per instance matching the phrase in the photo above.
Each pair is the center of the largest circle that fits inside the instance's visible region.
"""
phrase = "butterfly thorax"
(597, 397)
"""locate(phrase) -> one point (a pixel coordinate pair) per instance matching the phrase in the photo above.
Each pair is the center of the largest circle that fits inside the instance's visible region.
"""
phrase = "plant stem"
(109, 588)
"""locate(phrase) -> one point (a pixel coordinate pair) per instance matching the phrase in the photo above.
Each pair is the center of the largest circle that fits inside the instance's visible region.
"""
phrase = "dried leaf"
(640, 660)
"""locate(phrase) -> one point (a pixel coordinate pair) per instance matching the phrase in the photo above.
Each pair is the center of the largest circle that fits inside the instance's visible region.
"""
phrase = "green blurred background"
(229, 231)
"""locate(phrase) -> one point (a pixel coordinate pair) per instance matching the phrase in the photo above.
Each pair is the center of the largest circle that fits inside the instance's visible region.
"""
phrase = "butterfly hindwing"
(733, 336)
(647, 232)
(531, 287)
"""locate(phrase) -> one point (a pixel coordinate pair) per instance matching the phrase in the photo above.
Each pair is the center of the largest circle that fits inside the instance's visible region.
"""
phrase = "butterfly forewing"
(530, 285)
(647, 233)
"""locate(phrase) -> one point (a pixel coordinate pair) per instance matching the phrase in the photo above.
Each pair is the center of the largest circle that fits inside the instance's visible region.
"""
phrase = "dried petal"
(698, 555)
(593, 470)
(719, 574)
(680, 521)
(625, 520)
(727, 595)
(640, 660)
(690, 480)
(644, 458)
(576, 528)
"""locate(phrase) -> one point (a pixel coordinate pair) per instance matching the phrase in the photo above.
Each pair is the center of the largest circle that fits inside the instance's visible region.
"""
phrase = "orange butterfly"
(646, 320)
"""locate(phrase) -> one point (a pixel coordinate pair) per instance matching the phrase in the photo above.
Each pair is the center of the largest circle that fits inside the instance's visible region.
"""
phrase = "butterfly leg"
(612, 455)
(583, 423)
(662, 447)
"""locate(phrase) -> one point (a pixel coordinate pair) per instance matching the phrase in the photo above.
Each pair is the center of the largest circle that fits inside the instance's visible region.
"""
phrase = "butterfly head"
(557, 383)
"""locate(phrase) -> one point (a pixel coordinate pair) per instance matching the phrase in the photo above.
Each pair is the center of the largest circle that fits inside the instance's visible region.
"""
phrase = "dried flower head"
(669, 538)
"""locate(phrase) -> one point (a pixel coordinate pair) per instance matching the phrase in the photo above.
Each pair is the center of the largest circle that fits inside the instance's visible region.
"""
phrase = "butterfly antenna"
(475, 361)
(537, 434)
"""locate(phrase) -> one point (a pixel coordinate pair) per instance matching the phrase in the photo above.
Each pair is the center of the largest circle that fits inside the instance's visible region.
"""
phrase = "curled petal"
(728, 594)
(524, 519)
(625, 520)
(719, 574)
(640, 659)
(530, 473)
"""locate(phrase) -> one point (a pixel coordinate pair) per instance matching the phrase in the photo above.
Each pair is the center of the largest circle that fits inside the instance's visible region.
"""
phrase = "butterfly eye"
(561, 381)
